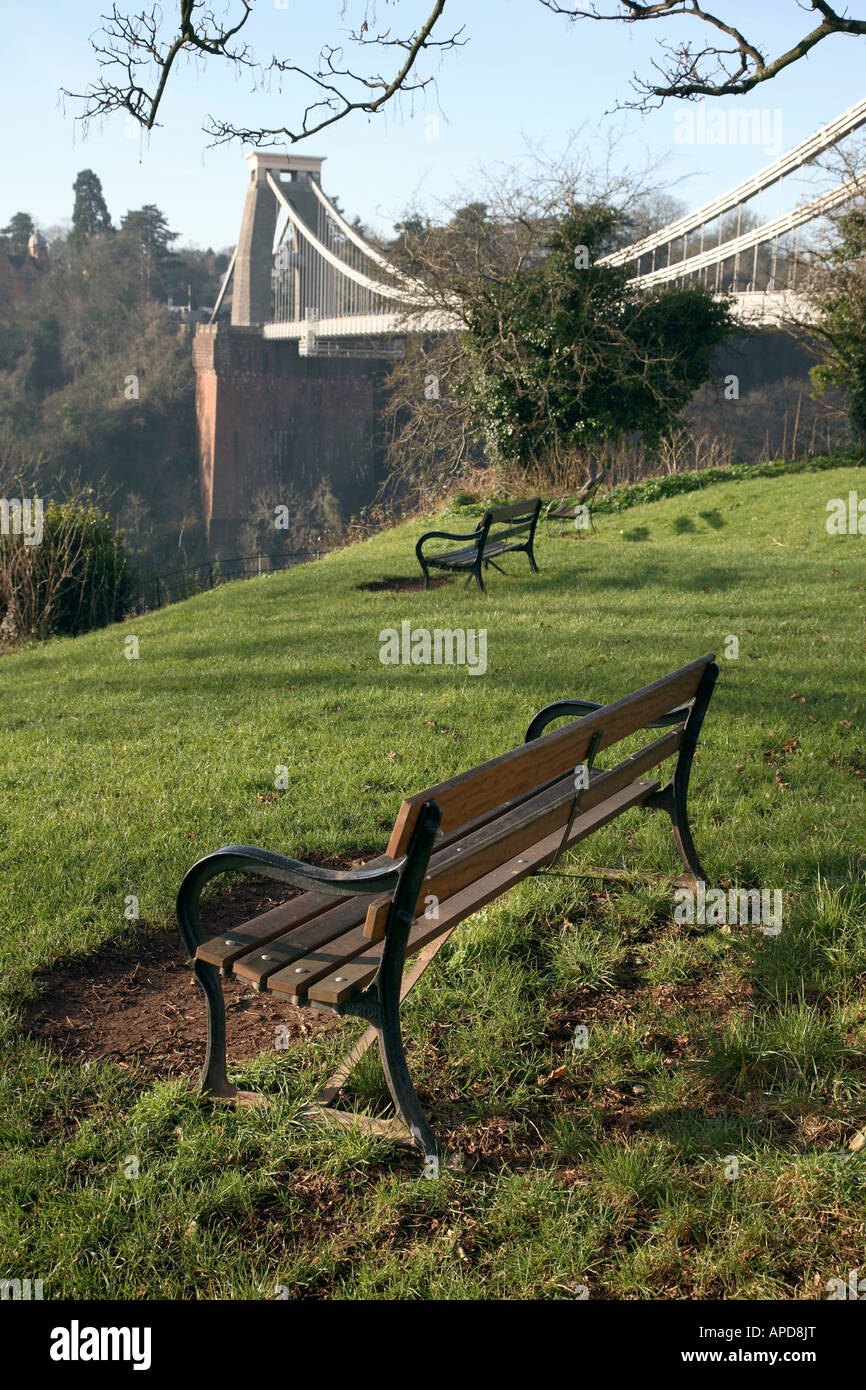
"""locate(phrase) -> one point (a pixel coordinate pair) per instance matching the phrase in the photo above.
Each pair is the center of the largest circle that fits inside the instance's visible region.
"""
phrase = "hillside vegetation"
(606, 1169)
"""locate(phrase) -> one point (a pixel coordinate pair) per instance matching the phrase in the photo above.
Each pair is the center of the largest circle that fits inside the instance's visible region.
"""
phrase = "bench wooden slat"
(477, 853)
(292, 940)
(257, 932)
(286, 936)
(501, 537)
(336, 936)
(513, 509)
(466, 556)
(468, 795)
(328, 959)
(286, 917)
(291, 947)
(278, 933)
(455, 559)
(357, 973)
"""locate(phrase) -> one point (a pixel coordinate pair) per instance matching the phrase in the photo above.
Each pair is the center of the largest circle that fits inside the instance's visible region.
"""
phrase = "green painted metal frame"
(379, 1003)
(673, 797)
(479, 536)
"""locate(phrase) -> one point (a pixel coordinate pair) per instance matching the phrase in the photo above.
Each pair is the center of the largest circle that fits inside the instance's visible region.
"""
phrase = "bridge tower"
(275, 421)
(251, 300)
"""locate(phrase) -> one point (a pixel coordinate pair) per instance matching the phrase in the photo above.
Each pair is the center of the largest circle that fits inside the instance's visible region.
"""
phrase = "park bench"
(454, 848)
(575, 506)
(500, 531)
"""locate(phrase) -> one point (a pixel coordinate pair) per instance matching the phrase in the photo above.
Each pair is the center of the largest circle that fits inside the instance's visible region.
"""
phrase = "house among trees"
(22, 271)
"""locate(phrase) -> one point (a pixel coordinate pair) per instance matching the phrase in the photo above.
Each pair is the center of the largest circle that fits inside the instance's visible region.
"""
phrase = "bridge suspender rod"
(386, 291)
(414, 285)
(805, 212)
(795, 158)
(227, 278)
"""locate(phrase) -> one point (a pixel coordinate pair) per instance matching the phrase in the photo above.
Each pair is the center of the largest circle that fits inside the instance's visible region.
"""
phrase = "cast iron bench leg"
(214, 1081)
(403, 1092)
(390, 977)
(423, 563)
(674, 797)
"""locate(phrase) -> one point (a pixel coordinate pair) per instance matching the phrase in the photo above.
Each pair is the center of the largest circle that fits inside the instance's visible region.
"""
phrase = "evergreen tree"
(90, 215)
(147, 230)
(18, 232)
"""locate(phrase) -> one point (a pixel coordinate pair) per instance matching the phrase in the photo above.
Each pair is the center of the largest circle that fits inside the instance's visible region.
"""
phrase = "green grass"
(605, 1167)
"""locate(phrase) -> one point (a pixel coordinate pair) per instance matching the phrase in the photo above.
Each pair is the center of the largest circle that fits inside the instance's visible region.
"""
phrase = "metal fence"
(162, 589)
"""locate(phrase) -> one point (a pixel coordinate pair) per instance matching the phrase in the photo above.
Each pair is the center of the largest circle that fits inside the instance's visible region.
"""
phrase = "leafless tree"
(723, 60)
(35, 571)
(137, 52)
(828, 314)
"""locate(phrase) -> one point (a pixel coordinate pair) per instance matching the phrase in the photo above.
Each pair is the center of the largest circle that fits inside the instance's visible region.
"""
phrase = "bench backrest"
(589, 489)
(529, 791)
(518, 518)
(570, 505)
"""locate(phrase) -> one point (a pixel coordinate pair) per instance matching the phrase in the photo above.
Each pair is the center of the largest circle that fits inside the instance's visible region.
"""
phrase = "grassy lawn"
(697, 1148)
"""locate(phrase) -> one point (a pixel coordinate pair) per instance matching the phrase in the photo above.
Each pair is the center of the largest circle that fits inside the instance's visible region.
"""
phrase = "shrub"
(621, 499)
(77, 577)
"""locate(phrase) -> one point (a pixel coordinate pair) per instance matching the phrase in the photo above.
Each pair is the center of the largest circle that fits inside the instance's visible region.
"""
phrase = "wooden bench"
(500, 531)
(458, 846)
(575, 506)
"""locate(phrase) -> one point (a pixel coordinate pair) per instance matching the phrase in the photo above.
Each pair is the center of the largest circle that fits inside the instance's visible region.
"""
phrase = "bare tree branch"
(713, 69)
(128, 47)
(138, 52)
(137, 60)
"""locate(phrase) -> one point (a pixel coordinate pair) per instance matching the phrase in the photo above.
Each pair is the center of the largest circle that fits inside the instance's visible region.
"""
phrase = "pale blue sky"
(525, 76)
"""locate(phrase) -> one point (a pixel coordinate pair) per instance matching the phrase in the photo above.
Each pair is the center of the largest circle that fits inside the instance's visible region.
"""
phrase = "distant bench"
(490, 827)
(500, 531)
(576, 506)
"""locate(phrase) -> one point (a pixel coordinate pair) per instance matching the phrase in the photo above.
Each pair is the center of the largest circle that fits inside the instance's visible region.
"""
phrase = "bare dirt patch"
(398, 584)
(136, 1002)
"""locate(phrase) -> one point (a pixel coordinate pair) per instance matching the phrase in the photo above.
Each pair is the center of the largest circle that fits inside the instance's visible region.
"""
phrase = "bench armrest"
(246, 859)
(449, 536)
(560, 708)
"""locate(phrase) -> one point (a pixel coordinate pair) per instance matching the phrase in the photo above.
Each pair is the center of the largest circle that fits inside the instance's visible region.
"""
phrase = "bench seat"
(318, 955)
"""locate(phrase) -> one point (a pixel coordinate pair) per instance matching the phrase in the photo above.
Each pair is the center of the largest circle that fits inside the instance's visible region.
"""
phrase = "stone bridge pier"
(276, 424)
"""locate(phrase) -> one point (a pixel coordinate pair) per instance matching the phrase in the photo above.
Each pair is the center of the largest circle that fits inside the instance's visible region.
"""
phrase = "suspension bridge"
(301, 271)
(289, 386)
